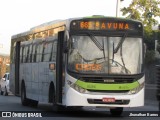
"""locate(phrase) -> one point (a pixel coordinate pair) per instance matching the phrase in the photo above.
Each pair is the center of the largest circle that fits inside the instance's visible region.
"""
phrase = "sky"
(18, 16)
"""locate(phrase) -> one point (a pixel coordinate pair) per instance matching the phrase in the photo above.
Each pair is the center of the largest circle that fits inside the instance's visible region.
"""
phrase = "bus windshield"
(105, 54)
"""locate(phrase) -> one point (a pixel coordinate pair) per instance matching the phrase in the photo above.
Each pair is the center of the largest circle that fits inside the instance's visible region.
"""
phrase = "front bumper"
(74, 98)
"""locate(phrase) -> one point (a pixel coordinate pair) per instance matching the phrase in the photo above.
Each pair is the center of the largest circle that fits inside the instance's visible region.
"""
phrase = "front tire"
(116, 111)
(55, 106)
(74, 108)
(24, 99)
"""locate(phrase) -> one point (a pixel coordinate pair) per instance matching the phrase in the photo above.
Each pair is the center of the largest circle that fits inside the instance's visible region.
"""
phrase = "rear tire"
(24, 99)
(116, 111)
(5, 92)
(1, 92)
(33, 103)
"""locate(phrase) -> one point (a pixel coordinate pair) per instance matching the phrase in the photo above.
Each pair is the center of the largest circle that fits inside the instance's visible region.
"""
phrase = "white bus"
(90, 61)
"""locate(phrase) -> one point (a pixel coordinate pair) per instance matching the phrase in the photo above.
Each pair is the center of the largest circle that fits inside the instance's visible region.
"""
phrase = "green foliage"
(158, 48)
(149, 39)
(150, 56)
(158, 35)
(158, 38)
(144, 11)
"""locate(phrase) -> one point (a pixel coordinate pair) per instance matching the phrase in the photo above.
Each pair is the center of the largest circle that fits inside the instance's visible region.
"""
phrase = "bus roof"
(42, 27)
(57, 23)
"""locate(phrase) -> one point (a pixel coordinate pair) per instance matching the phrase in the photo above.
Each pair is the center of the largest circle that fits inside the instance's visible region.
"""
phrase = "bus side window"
(27, 53)
(30, 53)
(21, 54)
(24, 56)
(54, 51)
(39, 52)
(33, 53)
(50, 47)
(46, 51)
(51, 51)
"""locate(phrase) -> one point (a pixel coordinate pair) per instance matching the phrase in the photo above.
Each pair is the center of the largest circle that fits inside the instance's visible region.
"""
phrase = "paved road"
(12, 103)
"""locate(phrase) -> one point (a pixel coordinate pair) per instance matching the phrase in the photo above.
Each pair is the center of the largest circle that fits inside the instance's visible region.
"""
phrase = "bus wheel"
(5, 92)
(24, 100)
(1, 92)
(116, 111)
(74, 108)
(33, 103)
(55, 107)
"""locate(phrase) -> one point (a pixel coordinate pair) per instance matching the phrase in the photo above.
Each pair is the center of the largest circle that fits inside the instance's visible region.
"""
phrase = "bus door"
(59, 67)
(17, 65)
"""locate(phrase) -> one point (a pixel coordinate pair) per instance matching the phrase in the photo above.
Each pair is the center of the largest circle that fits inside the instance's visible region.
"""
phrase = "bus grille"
(103, 80)
(109, 91)
(99, 101)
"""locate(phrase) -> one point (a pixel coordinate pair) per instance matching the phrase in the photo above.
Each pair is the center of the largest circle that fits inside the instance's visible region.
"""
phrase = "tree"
(145, 11)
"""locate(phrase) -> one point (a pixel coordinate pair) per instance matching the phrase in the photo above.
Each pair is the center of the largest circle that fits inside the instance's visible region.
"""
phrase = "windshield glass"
(105, 55)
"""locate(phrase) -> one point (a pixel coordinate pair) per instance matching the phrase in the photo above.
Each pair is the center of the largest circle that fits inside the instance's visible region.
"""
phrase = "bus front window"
(105, 55)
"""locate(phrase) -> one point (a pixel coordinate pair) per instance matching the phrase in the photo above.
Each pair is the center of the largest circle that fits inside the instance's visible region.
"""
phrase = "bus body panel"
(43, 81)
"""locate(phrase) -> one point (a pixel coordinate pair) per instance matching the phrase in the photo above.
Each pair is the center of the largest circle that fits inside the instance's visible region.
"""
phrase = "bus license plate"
(108, 100)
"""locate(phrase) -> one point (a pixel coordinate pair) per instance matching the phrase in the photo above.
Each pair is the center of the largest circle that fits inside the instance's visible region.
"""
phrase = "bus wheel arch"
(51, 92)
(52, 98)
(24, 99)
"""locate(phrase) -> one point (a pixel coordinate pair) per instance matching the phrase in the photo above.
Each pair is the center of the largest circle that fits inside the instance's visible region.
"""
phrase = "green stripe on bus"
(100, 86)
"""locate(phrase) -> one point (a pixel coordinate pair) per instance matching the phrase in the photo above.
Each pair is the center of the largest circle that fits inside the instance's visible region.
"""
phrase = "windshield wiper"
(95, 41)
(121, 54)
(120, 43)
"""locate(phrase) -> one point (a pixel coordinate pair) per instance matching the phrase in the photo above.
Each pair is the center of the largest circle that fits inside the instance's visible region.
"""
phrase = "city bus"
(94, 61)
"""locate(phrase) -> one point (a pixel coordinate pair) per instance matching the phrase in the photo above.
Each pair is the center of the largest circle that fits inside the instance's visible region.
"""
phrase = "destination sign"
(105, 25)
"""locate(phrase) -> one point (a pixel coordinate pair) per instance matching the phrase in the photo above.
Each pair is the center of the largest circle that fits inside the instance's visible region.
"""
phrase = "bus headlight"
(76, 87)
(137, 89)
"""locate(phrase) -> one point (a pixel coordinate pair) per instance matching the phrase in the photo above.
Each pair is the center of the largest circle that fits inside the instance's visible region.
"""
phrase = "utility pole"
(118, 7)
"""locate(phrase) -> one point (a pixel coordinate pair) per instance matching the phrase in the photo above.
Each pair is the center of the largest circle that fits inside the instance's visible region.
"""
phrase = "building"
(4, 64)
